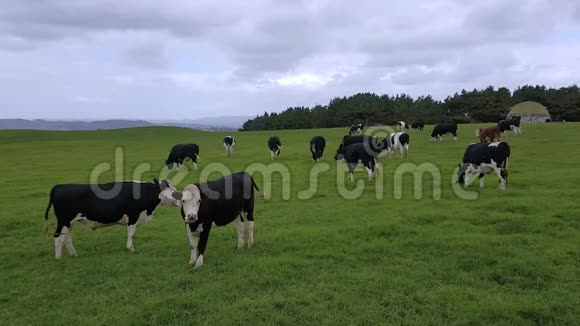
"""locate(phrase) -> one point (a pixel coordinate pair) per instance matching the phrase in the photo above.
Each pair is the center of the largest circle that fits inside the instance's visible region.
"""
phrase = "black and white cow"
(180, 153)
(358, 128)
(229, 144)
(442, 129)
(214, 204)
(512, 124)
(373, 143)
(401, 125)
(129, 203)
(317, 145)
(274, 145)
(357, 153)
(398, 141)
(484, 158)
(418, 125)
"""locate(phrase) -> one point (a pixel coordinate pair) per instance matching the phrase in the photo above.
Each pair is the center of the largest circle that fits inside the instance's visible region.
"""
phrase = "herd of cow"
(218, 203)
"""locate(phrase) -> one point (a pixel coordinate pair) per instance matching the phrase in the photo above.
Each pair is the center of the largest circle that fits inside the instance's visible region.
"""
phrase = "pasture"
(509, 257)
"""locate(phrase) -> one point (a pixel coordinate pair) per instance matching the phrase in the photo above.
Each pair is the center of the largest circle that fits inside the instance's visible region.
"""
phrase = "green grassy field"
(510, 258)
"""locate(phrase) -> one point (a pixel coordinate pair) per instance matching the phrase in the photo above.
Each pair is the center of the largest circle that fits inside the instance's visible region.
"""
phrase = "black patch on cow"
(180, 153)
(317, 145)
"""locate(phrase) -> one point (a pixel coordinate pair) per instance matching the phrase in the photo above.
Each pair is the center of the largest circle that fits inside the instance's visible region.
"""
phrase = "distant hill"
(215, 124)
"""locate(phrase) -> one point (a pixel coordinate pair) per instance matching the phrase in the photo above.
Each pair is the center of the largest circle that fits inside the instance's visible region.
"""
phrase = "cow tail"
(259, 194)
(46, 223)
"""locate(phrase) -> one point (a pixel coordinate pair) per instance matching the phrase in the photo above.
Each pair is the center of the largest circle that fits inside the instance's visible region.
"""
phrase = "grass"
(510, 258)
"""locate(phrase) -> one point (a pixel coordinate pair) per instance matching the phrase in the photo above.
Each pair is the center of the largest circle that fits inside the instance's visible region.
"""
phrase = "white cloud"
(151, 59)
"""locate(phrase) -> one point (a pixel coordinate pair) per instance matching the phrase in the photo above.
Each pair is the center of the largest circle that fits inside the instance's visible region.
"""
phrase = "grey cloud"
(383, 46)
(149, 55)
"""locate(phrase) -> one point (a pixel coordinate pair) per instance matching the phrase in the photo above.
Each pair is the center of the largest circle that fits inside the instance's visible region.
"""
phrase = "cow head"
(190, 198)
(166, 189)
(464, 171)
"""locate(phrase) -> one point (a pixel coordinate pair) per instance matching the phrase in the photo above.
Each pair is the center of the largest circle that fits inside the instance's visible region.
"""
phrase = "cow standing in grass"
(484, 158)
(182, 152)
(363, 152)
(229, 144)
(317, 145)
(274, 145)
(217, 204)
(417, 125)
(512, 124)
(129, 203)
(398, 141)
(442, 129)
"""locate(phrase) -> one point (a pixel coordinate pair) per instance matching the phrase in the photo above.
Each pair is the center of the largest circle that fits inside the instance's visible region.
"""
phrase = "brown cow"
(492, 133)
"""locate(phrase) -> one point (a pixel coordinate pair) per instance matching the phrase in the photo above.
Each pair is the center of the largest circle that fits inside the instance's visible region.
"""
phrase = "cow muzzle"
(190, 218)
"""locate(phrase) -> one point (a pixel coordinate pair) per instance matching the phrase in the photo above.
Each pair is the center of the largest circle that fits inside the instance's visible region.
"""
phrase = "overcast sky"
(172, 59)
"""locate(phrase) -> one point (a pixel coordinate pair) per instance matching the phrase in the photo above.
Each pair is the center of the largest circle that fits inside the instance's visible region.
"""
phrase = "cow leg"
(250, 218)
(240, 225)
(69, 245)
(195, 165)
(130, 233)
(272, 155)
(351, 167)
(481, 175)
(440, 137)
(193, 242)
(60, 235)
(407, 150)
(202, 244)
(501, 178)
(370, 174)
(401, 149)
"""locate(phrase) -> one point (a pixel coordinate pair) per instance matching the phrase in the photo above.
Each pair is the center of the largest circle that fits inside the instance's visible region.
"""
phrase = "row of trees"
(478, 105)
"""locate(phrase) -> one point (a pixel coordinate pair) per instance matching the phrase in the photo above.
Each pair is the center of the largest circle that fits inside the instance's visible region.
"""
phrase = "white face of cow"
(465, 170)
(165, 195)
(190, 199)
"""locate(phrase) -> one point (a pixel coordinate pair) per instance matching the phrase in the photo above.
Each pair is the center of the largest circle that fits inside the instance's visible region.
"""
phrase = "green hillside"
(509, 257)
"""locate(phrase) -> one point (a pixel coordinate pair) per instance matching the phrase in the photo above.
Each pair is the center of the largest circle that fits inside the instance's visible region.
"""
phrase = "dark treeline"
(485, 105)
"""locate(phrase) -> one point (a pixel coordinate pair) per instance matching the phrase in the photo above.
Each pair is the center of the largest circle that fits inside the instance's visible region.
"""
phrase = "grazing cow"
(442, 129)
(229, 144)
(484, 158)
(317, 145)
(217, 203)
(129, 203)
(358, 128)
(180, 153)
(398, 140)
(373, 143)
(274, 145)
(417, 125)
(512, 124)
(492, 133)
(401, 125)
(357, 153)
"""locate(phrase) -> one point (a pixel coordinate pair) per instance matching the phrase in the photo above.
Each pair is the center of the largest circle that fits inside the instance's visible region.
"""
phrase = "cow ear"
(177, 195)
(155, 181)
